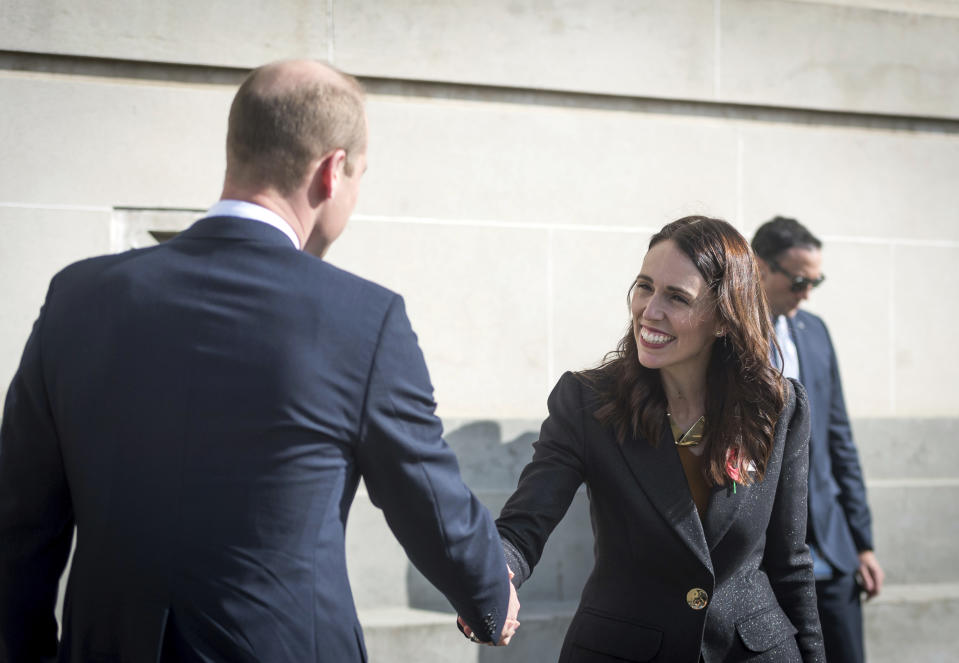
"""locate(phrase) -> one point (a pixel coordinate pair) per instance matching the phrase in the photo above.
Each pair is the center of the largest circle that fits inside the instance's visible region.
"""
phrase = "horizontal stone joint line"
(136, 209)
(491, 223)
(917, 592)
(120, 68)
(924, 482)
(892, 241)
(57, 206)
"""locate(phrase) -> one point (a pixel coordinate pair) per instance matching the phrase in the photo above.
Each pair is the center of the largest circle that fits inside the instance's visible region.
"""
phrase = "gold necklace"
(691, 437)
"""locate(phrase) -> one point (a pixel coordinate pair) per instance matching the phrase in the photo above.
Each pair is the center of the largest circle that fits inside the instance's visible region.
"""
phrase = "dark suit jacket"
(839, 520)
(748, 557)
(203, 411)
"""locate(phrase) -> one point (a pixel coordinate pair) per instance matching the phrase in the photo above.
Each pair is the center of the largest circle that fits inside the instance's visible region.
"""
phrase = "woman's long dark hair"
(744, 393)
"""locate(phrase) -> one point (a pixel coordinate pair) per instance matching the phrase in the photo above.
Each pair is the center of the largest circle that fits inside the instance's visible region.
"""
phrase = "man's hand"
(510, 624)
(870, 573)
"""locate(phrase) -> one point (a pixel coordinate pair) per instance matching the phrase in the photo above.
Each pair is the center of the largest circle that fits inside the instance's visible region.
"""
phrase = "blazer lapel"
(724, 503)
(660, 474)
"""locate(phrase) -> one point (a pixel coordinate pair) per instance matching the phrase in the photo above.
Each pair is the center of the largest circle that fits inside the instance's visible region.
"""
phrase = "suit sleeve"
(36, 515)
(787, 559)
(548, 483)
(413, 476)
(845, 461)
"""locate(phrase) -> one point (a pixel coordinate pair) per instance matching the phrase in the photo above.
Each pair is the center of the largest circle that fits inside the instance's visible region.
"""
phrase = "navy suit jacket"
(203, 411)
(736, 585)
(839, 520)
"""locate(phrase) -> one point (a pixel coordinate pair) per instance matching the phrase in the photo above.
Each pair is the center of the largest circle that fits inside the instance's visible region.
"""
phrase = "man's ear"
(327, 176)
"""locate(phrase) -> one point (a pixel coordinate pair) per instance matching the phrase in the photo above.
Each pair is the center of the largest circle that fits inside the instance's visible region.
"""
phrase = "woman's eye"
(680, 299)
(642, 285)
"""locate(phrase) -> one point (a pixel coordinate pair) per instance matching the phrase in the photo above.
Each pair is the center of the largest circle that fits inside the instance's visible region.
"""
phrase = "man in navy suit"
(203, 410)
(839, 526)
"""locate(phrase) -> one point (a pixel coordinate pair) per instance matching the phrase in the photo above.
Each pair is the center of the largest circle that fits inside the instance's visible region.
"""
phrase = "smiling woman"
(697, 347)
(695, 454)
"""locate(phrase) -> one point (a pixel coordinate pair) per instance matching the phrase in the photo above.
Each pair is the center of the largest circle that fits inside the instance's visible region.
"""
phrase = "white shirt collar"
(790, 354)
(246, 210)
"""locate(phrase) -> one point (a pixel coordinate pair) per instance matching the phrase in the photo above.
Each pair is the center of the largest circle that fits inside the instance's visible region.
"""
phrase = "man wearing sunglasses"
(840, 526)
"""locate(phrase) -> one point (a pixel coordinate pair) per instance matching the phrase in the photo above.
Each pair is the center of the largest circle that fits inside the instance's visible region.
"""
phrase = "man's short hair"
(781, 234)
(273, 136)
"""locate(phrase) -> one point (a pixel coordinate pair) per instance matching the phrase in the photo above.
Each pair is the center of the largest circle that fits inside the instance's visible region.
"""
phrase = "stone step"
(397, 635)
(905, 623)
(915, 622)
(914, 529)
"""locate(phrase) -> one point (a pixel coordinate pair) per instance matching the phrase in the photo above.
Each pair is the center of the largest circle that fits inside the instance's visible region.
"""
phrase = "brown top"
(693, 463)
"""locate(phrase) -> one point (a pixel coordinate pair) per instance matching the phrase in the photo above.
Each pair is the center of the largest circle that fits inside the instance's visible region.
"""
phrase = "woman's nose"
(653, 310)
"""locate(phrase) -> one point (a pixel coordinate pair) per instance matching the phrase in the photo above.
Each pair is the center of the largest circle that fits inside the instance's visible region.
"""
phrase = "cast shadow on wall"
(492, 456)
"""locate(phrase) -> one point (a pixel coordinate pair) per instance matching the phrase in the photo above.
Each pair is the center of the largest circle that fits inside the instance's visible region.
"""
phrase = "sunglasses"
(799, 283)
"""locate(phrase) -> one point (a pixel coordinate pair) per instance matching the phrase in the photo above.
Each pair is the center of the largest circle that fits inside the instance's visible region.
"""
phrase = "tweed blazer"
(666, 585)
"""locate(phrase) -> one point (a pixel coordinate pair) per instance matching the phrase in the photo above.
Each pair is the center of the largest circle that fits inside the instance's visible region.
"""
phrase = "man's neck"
(283, 207)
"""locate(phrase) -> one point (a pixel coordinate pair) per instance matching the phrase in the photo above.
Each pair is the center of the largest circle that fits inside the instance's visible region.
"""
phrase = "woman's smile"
(654, 338)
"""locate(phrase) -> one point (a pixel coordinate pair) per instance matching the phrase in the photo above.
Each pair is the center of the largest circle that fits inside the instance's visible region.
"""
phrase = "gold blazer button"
(697, 598)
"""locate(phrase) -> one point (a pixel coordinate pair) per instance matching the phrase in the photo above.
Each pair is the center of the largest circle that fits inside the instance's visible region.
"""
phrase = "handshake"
(509, 625)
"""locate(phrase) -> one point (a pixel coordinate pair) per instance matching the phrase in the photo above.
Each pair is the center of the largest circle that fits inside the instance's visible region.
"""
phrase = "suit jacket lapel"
(660, 474)
(796, 330)
(797, 327)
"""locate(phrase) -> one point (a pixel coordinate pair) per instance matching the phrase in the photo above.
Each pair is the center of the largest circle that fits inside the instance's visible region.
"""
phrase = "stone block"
(232, 34)
(376, 562)
(862, 335)
(475, 296)
(914, 530)
(923, 324)
(908, 448)
(592, 274)
(912, 623)
(516, 163)
(36, 244)
(492, 453)
(852, 182)
(112, 143)
(641, 48)
(834, 56)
